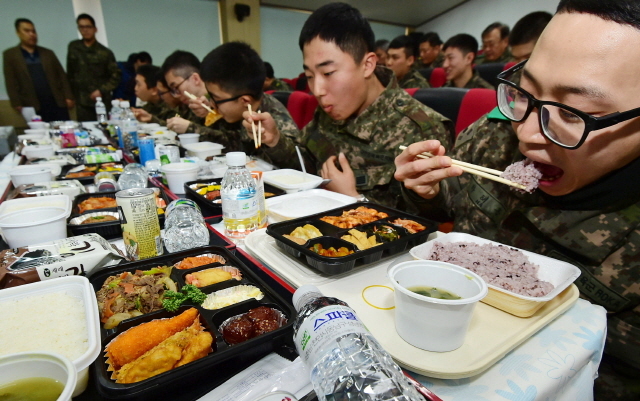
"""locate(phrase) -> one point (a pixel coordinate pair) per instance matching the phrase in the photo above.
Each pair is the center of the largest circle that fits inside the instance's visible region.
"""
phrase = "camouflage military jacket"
(279, 86)
(371, 140)
(505, 58)
(413, 79)
(602, 240)
(235, 138)
(153, 108)
(438, 62)
(476, 81)
(90, 68)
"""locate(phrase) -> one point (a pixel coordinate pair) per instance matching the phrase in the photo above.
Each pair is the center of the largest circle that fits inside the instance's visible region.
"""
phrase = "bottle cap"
(124, 103)
(115, 102)
(304, 295)
(98, 99)
(236, 159)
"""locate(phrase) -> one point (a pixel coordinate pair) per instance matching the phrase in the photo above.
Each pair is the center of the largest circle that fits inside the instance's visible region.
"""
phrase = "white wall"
(474, 16)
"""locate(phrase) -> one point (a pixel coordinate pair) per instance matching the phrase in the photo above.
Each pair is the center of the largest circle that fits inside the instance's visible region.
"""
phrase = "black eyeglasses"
(561, 124)
(175, 91)
(231, 99)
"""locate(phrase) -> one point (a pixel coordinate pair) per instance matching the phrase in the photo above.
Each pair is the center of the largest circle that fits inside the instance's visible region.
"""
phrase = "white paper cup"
(429, 323)
(51, 365)
(186, 139)
(33, 226)
(179, 173)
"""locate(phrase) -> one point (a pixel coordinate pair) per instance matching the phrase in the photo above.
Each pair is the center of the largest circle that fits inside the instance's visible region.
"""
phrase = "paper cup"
(429, 323)
(179, 173)
(186, 139)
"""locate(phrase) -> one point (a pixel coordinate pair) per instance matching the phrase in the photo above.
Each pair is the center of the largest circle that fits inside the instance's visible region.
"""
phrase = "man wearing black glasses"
(573, 109)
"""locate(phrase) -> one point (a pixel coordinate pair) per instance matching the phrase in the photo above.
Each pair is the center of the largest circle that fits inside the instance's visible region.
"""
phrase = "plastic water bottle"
(134, 175)
(115, 115)
(184, 226)
(129, 127)
(240, 204)
(345, 360)
(101, 111)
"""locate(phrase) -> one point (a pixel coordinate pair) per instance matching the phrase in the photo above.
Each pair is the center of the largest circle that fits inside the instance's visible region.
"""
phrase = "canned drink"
(171, 154)
(147, 149)
(105, 181)
(139, 222)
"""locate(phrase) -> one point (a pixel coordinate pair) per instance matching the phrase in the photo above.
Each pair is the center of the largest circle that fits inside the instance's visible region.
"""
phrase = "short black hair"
(463, 42)
(268, 70)
(150, 74)
(343, 25)
(433, 39)
(86, 16)
(144, 57)
(529, 28)
(20, 21)
(625, 12)
(406, 43)
(382, 44)
(504, 29)
(236, 68)
(182, 63)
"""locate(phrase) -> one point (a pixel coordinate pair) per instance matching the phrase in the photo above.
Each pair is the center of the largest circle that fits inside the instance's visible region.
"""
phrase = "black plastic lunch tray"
(109, 229)
(88, 180)
(331, 238)
(210, 208)
(224, 357)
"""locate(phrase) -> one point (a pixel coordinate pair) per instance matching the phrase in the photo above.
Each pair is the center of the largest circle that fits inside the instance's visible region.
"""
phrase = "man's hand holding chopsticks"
(196, 106)
(270, 133)
(423, 176)
(178, 124)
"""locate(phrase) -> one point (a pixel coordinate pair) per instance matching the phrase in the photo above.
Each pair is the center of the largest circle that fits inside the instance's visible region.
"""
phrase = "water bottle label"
(323, 327)
(242, 204)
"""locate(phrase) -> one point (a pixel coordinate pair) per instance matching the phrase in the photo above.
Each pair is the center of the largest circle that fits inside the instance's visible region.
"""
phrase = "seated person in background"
(234, 74)
(146, 90)
(401, 58)
(575, 113)
(181, 71)
(170, 105)
(382, 46)
(271, 83)
(495, 44)
(430, 48)
(525, 34)
(460, 52)
(362, 117)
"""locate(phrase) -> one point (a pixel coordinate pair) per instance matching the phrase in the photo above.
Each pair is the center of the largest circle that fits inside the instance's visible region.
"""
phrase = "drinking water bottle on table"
(184, 226)
(345, 360)
(240, 203)
(101, 111)
(129, 127)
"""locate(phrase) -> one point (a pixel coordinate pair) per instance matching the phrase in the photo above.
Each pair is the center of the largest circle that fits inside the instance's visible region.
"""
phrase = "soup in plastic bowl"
(429, 323)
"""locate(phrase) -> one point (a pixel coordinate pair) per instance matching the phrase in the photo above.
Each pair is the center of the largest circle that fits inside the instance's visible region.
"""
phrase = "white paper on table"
(271, 373)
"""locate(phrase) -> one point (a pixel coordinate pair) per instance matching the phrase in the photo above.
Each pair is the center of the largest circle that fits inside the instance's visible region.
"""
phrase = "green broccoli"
(172, 300)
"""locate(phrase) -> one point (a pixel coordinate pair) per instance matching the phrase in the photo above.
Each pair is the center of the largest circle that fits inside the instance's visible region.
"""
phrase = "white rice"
(52, 322)
(500, 265)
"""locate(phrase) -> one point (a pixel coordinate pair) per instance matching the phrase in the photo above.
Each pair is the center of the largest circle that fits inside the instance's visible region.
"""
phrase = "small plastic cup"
(179, 173)
(434, 324)
(188, 138)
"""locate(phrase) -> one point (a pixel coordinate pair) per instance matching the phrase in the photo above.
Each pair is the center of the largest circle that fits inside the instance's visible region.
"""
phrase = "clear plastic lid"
(236, 159)
(304, 295)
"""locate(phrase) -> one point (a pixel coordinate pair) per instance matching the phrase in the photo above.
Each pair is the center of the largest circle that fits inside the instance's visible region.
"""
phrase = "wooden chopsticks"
(484, 172)
(257, 135)
(193, 97)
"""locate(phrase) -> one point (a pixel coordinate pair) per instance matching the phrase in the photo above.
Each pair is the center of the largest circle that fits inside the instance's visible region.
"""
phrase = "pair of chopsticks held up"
(257, 135)
(480, 171)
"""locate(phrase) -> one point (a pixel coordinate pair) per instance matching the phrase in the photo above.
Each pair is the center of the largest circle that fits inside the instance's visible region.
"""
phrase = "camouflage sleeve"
(114, 75)
(72, 66)
(290, 136)
(284, 154)
(212, 134)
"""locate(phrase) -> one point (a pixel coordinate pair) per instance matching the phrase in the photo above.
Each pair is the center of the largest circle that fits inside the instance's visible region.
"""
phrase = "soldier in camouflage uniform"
(460, 51)
(585, 211)
(91, 69)
(363, 116)
(271, 83)
(495, 44)
(430, 48)
(401, 58)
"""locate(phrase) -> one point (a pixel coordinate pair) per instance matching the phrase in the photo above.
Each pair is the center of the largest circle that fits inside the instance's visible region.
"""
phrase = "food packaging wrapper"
(70, 188)
(66, 257)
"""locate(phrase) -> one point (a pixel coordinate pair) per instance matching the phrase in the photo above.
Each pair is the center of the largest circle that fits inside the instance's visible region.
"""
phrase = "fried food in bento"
(355, 217)
(359, 239)
(411, 226)
(133, 343)
(214, 275)
(196, 261)
(101, 202)
(300, 235)
(173, 350)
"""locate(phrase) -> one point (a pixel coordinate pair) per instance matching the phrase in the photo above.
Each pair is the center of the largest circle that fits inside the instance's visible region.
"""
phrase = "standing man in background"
(495, 44)
(34, 77)
(92, 69)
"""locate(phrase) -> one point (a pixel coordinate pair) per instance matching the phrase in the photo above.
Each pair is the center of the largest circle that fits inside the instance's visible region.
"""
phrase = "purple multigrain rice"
(499, 265)
(525, 173)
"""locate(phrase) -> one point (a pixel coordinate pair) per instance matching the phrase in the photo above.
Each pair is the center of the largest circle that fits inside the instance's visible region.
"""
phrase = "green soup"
(433, 292)
(31, 389)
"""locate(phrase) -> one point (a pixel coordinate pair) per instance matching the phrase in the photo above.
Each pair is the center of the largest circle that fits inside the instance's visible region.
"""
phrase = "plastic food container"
(187, 139)
(560, 274)
(51, 365)
(291, 180)
(22, 175)
(78, 287)
(300, 204)
(37, 124)
(332, 238)
(433, 324)
(14, 205)
(42, 132)
(38, 151)
(95, 168)
(202, 149)
(226, 358)
(179, 173)
(213, 207)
